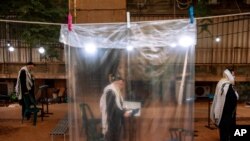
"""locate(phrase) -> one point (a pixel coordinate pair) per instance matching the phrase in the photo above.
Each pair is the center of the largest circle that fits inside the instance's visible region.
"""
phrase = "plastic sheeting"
(156, 60)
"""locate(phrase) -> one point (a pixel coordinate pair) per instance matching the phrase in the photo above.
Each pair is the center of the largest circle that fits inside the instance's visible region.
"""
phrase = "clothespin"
(128, 20)
(69, 22)
(191, 14)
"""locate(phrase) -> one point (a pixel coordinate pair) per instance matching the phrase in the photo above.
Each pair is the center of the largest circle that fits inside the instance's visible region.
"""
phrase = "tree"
(52, 11)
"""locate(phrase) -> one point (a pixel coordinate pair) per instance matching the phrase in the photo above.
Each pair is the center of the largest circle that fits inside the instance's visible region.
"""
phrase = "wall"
(98, 11)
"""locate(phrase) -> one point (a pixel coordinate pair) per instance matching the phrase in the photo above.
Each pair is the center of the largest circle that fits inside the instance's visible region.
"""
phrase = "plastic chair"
(90, 124)
(30, 107)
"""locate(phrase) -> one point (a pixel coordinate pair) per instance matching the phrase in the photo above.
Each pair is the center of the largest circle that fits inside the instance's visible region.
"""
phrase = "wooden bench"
(61, 128)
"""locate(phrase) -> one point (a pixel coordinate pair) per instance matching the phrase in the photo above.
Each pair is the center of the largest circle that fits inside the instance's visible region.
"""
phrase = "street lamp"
(41, 50)
(11, 48)
(217, 39)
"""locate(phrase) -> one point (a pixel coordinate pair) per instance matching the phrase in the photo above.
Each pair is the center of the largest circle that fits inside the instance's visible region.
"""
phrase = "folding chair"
(180, 134)
(90, 124)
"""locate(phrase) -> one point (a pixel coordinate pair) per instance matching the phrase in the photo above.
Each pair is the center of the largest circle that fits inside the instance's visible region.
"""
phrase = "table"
(44, 99)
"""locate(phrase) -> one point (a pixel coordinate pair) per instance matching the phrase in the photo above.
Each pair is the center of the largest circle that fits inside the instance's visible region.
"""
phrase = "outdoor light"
(90, 48)
(217, 39)
(41, 50)
(8, 44)
(11, 48)
(130, 48)
(186, 41)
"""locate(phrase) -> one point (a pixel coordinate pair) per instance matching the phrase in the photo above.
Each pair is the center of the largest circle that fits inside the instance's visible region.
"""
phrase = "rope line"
(59, 24)
(31, 22)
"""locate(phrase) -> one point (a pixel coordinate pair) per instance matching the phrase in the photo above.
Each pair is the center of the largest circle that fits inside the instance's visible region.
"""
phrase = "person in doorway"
(25, 86)
(223, 109)
(113, 113)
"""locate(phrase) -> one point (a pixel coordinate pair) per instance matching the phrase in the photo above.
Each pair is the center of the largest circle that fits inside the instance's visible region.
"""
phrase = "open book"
(131, 105)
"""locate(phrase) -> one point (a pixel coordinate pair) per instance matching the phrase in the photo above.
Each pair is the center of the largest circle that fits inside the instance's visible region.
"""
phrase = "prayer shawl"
(118, 101)
(29, 83)
(220, 96)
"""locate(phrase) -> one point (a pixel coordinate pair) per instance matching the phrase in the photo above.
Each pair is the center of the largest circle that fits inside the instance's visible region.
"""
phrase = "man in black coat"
(223, 109)
(25, 86)
(113, 113)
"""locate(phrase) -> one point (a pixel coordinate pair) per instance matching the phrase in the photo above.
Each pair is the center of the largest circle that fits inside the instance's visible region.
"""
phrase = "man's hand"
(128, 113)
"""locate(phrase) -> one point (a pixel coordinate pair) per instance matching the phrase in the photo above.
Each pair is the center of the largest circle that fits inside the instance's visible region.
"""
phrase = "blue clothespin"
(191, 14)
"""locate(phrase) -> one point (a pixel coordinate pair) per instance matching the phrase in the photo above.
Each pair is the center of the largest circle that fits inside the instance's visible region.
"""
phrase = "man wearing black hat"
(112, 110)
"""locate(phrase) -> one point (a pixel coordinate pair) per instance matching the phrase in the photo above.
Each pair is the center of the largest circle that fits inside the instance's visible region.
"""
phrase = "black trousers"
(113, 134)
(21, 102)
(226, 128)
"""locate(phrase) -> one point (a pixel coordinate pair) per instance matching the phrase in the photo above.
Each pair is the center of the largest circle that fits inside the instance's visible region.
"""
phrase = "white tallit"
(220, 96)
(118, 100)
(29, 83)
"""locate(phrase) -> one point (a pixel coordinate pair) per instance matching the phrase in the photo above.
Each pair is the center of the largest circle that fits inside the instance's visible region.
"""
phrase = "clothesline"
(219, 16)
(59, 24)
(30, 22)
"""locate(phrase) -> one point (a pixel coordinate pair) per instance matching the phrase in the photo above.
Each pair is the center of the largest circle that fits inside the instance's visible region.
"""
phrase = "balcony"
(41, 71)
(214, 72)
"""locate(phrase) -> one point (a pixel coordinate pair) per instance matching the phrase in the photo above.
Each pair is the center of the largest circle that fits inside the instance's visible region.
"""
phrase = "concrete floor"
(11, 128)
(212, 134)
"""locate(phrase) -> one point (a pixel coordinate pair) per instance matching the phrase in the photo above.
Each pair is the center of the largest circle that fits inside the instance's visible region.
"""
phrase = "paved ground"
(211, 134)
(11, 128)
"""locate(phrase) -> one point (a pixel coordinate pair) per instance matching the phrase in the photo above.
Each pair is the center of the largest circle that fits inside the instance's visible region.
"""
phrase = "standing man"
(223, 110)
(113, 113)
(25, 85)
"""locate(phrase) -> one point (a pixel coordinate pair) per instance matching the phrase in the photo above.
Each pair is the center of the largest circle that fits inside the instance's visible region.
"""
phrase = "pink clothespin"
(69, 22)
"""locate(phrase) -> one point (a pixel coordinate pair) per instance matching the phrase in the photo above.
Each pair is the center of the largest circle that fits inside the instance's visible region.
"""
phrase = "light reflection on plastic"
(186, 41)
(130, 48)
(90, 48)
(173, 45)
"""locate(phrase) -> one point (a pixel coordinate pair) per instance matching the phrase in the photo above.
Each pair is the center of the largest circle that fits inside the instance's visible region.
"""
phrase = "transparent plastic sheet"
(158, 71)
